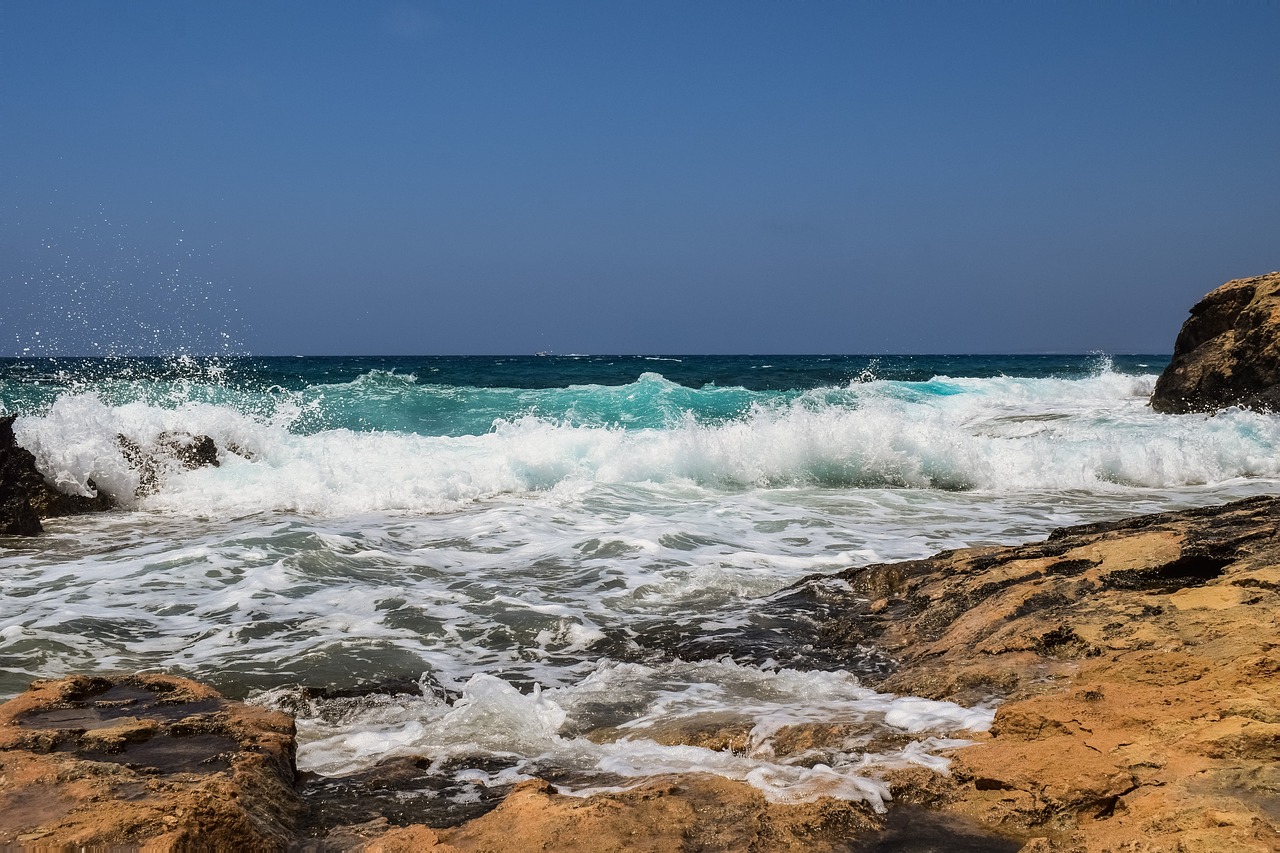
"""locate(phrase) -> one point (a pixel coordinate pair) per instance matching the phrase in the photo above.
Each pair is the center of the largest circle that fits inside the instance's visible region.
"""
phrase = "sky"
(373, 177)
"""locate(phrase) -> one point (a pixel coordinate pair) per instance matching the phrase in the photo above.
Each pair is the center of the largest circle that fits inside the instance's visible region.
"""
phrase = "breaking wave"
(992, 435)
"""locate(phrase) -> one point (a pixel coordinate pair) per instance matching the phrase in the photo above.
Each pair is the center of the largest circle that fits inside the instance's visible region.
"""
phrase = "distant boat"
(544, 353)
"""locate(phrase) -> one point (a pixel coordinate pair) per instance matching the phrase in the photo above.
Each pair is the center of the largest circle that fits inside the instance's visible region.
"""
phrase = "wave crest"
(1000, 435)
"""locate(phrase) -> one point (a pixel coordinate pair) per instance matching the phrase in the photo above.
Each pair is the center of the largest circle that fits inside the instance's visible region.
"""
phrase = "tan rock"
(664, 814)
(1139, 668)
(407, 839)
(155, 762)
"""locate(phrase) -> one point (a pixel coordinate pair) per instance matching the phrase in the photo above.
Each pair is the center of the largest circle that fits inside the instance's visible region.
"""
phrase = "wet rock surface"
(154, 761)
(25, 495)
(398, 792)
(170, 451)
(1228, 351)
(664, 814)
(1139, 662)
(684, 813)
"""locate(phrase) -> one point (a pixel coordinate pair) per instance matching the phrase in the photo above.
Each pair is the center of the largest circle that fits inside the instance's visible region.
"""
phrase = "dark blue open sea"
(561, 544)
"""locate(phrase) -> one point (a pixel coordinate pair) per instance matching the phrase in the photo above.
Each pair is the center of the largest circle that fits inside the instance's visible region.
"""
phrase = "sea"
(533, 566)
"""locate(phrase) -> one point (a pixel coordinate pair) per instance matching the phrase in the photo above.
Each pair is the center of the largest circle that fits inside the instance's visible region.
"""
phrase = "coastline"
(1136, 663)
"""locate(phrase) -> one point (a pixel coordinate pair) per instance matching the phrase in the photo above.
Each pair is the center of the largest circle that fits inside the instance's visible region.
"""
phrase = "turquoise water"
(550, 545)
(452, 395)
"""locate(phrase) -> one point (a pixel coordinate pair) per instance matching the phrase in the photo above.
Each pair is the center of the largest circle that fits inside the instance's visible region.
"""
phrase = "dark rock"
(17, 518)
(19, 480)
(192, 451)
(25, 495)
(170, 450)
(401, 790)
(1228, 352)
(50, 503)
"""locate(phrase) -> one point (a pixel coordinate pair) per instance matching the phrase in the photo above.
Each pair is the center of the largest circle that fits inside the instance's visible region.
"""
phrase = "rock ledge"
(92, 762)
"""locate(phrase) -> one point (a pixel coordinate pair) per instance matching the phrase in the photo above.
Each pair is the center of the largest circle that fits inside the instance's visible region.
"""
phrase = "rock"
(1138, 665)
(406, 839)
(191, 451)
(691, 812)
(695, 812)
(170, 450)
(1228, 352)
(25, 495)
(145, 760)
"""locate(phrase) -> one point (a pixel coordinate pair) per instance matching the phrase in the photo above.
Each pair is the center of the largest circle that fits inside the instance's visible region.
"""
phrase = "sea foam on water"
(574, 569)
(990, 435)
(492, 717)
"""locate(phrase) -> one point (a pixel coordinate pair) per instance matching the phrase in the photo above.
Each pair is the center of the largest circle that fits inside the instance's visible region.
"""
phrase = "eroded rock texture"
(1139, 661)
(666, 814)
(1228, 352)
(146, 761)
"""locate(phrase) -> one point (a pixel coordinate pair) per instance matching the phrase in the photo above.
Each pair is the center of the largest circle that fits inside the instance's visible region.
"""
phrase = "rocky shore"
(1137, 664)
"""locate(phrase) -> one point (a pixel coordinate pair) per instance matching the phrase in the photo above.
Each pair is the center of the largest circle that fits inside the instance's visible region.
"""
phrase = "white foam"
(491, 717)
(523, 554)
(991, 435)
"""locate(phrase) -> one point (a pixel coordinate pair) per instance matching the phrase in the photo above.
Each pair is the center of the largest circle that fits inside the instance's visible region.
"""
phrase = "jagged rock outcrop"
(25, 496)
(170, 450)
(146, 761)
(1139, 662)
(1228, 351)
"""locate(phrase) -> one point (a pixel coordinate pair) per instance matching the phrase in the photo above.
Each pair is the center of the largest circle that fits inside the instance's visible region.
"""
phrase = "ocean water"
(568, 554)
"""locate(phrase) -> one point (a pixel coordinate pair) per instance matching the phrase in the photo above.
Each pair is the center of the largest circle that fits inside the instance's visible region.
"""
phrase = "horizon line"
(550, 355)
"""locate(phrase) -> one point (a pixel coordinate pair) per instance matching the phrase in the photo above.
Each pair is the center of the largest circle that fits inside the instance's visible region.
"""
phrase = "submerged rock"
(170, 450)
(144, 760)
(1137, 660)
(25, 495)
(1228, 351)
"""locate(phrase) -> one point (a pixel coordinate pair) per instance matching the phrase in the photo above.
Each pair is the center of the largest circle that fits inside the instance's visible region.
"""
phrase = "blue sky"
(485, 177)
